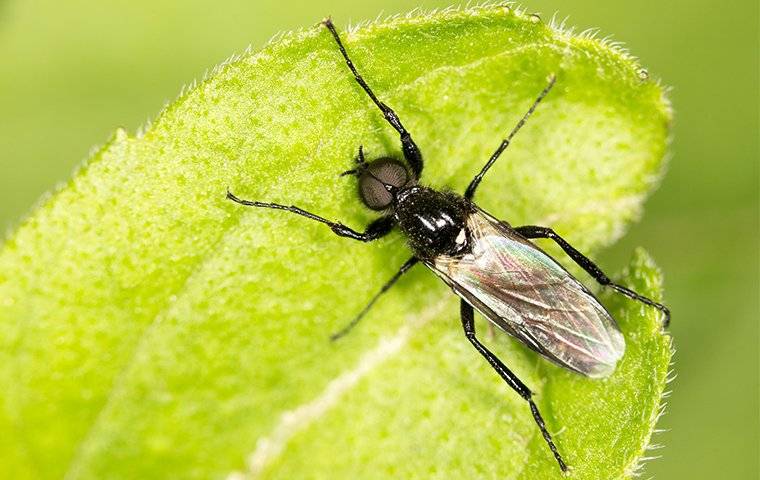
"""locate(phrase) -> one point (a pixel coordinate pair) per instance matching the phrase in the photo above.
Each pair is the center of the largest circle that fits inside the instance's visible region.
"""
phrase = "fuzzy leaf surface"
(149, 328)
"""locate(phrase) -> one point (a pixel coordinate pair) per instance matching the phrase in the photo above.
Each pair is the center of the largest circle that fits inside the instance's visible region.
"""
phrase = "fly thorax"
(433, 222)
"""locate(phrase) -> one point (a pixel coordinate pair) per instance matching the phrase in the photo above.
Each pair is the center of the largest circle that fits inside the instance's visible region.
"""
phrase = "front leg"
(377, 229)
(534, 231)
(468, 322)
(408, 147)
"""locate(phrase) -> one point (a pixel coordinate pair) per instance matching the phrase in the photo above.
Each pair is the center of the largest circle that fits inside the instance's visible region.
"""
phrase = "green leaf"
(150, 329)
(437, 411)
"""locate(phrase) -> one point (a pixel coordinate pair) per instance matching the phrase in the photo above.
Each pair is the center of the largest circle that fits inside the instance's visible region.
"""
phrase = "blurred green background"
(71, 72)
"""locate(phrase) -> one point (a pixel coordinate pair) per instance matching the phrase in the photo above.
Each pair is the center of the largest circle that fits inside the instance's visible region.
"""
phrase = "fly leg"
(468, 322)
(404, 268)
(411, 151)
(377, 229)
(533, 231)
(470, 192)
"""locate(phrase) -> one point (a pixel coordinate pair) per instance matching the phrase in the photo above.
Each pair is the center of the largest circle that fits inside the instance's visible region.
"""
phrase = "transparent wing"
(526, 293)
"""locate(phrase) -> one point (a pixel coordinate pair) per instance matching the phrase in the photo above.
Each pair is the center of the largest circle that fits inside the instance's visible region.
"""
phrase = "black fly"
(492, 266)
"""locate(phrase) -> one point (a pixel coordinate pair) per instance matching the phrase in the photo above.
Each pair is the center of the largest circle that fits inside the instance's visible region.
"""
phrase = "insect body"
(491, 266)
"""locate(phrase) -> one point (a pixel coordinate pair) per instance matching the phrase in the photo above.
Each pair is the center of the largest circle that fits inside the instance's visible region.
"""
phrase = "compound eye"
(374, 193)
(390, 172)
(372, 184)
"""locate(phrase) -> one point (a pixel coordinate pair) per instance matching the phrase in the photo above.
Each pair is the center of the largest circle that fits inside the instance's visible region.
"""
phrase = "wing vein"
(529, 295)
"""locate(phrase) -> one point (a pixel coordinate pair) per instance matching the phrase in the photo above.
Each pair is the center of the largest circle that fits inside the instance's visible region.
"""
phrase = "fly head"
(380, 181)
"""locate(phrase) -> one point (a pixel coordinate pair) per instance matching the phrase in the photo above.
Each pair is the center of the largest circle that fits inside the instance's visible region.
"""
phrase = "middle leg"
(470, 192)
(404, 268)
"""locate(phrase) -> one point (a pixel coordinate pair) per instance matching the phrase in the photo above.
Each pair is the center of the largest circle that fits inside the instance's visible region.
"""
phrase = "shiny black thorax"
(434, 222)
